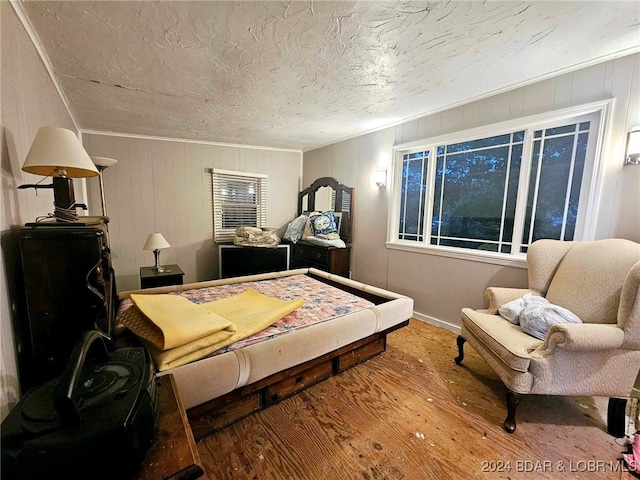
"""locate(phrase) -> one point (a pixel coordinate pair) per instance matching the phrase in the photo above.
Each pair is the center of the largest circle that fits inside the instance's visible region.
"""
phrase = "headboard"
(327, 194)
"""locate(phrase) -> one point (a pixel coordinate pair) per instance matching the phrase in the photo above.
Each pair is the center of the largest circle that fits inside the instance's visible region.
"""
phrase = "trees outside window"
(501, 191)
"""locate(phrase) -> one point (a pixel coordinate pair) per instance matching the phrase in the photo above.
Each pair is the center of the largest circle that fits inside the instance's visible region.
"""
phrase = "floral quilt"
(322, 302)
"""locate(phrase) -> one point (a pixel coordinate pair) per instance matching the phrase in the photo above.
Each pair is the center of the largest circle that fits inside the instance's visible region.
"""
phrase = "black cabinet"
(69, 289)
(329, 259)
(236, 261)
(171, 275)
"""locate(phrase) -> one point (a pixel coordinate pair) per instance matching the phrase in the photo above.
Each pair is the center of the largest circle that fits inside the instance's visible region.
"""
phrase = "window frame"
(589, 196)
(226, 235)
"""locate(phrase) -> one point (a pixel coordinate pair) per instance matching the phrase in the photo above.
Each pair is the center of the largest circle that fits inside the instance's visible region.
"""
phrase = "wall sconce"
(57, 152)
(381, 178)
(156, 242)
(633, 147)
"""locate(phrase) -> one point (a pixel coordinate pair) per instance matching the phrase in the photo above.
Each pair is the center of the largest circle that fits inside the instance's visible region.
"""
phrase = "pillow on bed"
(324, 224)
(295, 229)
(307, 228)
(325, 242)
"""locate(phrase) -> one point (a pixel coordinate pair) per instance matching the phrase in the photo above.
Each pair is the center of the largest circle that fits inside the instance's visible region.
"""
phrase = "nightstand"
(172, 275)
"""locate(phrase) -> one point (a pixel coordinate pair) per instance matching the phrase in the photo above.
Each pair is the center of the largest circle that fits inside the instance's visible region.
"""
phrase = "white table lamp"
(57, 153)
(156, 242)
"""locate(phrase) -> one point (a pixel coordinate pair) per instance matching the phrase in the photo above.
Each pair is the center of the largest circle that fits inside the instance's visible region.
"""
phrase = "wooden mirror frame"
(343, 203)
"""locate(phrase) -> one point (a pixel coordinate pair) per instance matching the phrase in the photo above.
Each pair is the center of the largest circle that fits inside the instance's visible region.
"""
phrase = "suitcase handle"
(63, 400)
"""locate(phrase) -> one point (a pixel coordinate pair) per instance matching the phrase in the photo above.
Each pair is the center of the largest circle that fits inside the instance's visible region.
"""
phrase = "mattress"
(322, 302)
(291, 343)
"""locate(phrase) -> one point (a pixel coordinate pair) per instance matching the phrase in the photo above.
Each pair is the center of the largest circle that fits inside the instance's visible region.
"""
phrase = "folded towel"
(169, 321)
(248, 313)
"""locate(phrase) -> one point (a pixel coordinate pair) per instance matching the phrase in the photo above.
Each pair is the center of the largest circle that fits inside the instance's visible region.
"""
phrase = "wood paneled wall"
(441, 286)
(29, 101)
(165, 186)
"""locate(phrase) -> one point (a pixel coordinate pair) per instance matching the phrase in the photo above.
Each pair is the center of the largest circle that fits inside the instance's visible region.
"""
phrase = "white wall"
(155, 185)
(29, 101)
(441, 286)
(165, 186)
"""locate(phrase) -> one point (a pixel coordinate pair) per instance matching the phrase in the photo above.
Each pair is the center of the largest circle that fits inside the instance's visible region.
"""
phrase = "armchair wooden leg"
(513, 399)
(460, 341)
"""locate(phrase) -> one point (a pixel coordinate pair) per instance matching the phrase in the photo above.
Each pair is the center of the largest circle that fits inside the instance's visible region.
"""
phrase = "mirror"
(325, 199)
(327, 194)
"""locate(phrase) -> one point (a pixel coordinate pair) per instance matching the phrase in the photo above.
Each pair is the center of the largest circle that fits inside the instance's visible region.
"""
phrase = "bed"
(292, 355)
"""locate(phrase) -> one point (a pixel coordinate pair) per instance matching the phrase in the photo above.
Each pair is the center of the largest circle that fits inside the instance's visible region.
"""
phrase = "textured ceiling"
(303, 74)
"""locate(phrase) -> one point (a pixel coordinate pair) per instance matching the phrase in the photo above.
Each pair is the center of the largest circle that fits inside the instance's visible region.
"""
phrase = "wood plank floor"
(411, 413)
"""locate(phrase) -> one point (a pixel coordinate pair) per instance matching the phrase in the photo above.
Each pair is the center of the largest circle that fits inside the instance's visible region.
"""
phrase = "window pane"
(412, 198)
(486, 246)
(475, 193)
(239, 199)
(560, 130)
(485, 194)
(576, 182)
(554, 187)
(480, 143)
(512, 193)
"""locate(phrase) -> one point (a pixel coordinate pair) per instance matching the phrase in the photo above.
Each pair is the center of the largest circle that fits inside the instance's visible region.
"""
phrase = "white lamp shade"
(155, 241)
(57, 152)
(633, 144)
(104, 162)
(381, 177)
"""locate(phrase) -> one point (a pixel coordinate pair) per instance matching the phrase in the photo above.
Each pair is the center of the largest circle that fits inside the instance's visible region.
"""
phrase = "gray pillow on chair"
(536, 319)
(512, 310)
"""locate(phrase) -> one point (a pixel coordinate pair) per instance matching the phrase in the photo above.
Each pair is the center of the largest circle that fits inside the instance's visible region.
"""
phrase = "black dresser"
(69, 288)
(332, 260)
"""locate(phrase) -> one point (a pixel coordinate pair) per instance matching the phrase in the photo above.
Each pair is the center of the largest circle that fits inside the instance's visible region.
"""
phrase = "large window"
(239, 200)
(499, 191)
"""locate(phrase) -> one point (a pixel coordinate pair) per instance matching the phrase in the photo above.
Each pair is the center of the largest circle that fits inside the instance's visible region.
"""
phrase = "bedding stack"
(318, 228)
(177, 331)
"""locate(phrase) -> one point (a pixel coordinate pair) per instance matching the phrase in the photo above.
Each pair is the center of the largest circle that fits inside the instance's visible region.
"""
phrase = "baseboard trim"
(437, 322)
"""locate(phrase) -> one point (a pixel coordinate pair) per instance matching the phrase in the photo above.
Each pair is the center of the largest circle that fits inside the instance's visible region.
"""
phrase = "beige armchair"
(599, 281)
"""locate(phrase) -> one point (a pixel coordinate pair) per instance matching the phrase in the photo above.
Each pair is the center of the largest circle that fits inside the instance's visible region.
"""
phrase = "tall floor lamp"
(101, 163)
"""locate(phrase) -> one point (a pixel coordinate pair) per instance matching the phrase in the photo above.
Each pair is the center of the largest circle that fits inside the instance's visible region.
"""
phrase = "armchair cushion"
(506, 340)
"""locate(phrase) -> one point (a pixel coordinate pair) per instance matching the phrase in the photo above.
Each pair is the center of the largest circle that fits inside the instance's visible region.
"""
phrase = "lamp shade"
(57, 152)
(155, 241)
(103, 162)
(633, 147)
(381, 177)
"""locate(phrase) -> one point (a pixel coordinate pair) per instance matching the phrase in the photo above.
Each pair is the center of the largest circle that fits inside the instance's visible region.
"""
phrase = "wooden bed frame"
(220, 412)
(212, 415)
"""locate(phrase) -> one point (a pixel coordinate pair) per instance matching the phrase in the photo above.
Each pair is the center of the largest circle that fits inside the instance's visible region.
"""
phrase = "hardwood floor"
(411, 413)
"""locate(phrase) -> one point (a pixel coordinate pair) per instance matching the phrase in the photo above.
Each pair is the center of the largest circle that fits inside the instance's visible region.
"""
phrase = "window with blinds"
(239, 200)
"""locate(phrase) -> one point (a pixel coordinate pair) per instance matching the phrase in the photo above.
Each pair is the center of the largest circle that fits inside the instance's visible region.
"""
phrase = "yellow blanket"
(169, 321)
(246, 314)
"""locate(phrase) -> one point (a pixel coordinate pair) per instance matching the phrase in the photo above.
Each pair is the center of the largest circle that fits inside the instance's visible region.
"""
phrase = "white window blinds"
(239, 200)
